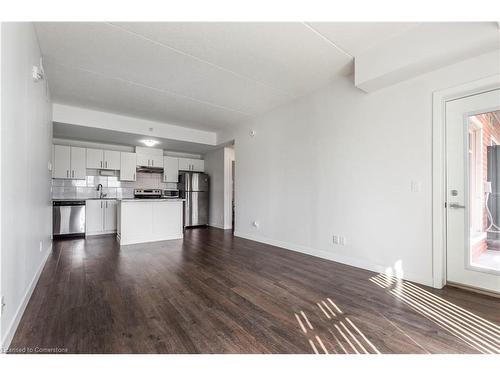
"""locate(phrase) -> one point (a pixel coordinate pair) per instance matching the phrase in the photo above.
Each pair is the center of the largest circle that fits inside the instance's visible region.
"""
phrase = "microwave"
(170, 193)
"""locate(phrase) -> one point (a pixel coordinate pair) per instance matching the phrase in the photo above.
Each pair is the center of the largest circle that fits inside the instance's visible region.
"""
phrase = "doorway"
(232, 196)
(473, 191)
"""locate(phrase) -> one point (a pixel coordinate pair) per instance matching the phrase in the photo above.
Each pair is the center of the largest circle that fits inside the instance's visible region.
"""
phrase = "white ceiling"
(357, 37)
(208, 76)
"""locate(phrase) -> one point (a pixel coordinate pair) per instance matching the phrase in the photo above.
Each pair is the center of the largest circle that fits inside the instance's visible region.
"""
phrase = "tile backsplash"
(111, 185)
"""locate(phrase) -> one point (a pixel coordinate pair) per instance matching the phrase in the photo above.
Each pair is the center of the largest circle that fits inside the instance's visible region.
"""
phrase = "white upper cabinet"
(111, 160)
(94, 158)
(149, 157)
(156, 160)
(170, 169)
(193, 165)
(78, 156)
(103, 159)
(128, 163)
(62, 162)
(142, 160)
(69, 162)
(184, 164)
(198, 165)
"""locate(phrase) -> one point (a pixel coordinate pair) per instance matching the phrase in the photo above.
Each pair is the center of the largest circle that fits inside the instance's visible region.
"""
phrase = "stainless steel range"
(147, 193)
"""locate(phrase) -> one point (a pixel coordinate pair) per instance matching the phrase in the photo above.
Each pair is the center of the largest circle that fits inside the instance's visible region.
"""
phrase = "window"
(475, 179)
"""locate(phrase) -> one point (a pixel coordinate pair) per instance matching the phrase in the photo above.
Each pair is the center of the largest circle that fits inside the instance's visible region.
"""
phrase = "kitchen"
(140, 195)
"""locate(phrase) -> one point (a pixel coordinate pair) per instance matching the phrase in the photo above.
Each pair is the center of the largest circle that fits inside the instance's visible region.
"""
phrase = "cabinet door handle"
(152, 162)
(101, 204)
(106, 204)
(67, 173)
(106, 163)
(72, 173)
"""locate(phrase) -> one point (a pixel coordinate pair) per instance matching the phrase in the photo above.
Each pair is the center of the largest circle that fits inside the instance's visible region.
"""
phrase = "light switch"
(416, 186)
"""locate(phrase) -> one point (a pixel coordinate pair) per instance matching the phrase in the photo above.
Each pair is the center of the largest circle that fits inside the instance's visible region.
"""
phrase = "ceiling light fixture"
(149, 142)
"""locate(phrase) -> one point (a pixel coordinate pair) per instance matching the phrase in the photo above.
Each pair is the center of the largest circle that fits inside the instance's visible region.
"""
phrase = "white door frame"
(439, 167)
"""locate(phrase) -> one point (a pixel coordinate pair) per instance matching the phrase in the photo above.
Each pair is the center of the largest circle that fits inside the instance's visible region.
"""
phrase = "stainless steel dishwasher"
(68, 218)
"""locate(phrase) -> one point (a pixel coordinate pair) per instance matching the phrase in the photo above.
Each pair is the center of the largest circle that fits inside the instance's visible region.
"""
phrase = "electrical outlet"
(338, 240)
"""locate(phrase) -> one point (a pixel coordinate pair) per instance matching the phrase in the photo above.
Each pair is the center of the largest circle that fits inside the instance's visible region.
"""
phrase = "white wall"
(218, 167)
(341, 161)
(26, 137)
(214, 166)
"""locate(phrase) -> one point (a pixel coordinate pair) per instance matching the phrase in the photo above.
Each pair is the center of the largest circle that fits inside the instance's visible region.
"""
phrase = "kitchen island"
(149, 220)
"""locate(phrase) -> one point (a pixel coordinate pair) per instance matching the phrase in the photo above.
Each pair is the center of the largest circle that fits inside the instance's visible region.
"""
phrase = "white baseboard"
(350, 261)
(9, 335)
(219, 226)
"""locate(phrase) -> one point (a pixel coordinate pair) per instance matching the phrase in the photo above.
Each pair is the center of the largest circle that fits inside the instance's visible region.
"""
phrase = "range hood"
(149, 169)
(146, 157)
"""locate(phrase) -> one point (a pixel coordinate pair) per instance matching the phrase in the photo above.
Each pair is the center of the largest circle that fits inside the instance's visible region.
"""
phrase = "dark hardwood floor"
(214, 293)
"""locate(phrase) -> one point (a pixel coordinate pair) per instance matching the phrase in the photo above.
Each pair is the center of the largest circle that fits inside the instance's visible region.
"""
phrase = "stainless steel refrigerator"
(194, 188)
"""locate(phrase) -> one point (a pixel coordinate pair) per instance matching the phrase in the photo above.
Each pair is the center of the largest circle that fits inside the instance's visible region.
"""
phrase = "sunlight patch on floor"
(477, 332)
(345, 337)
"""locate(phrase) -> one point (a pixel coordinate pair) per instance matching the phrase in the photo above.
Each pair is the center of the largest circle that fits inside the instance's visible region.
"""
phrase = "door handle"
(456, 205)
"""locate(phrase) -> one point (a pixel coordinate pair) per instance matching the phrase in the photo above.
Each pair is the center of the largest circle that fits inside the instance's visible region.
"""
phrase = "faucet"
(99, 189)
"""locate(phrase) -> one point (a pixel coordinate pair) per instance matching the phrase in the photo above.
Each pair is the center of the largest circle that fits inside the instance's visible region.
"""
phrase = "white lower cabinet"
(110, 216)
(100, 216)
(93, 217)
(148, 221)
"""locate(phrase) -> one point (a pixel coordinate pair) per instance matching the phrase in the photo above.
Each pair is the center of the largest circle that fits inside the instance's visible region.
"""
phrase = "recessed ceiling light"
(149, 142)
